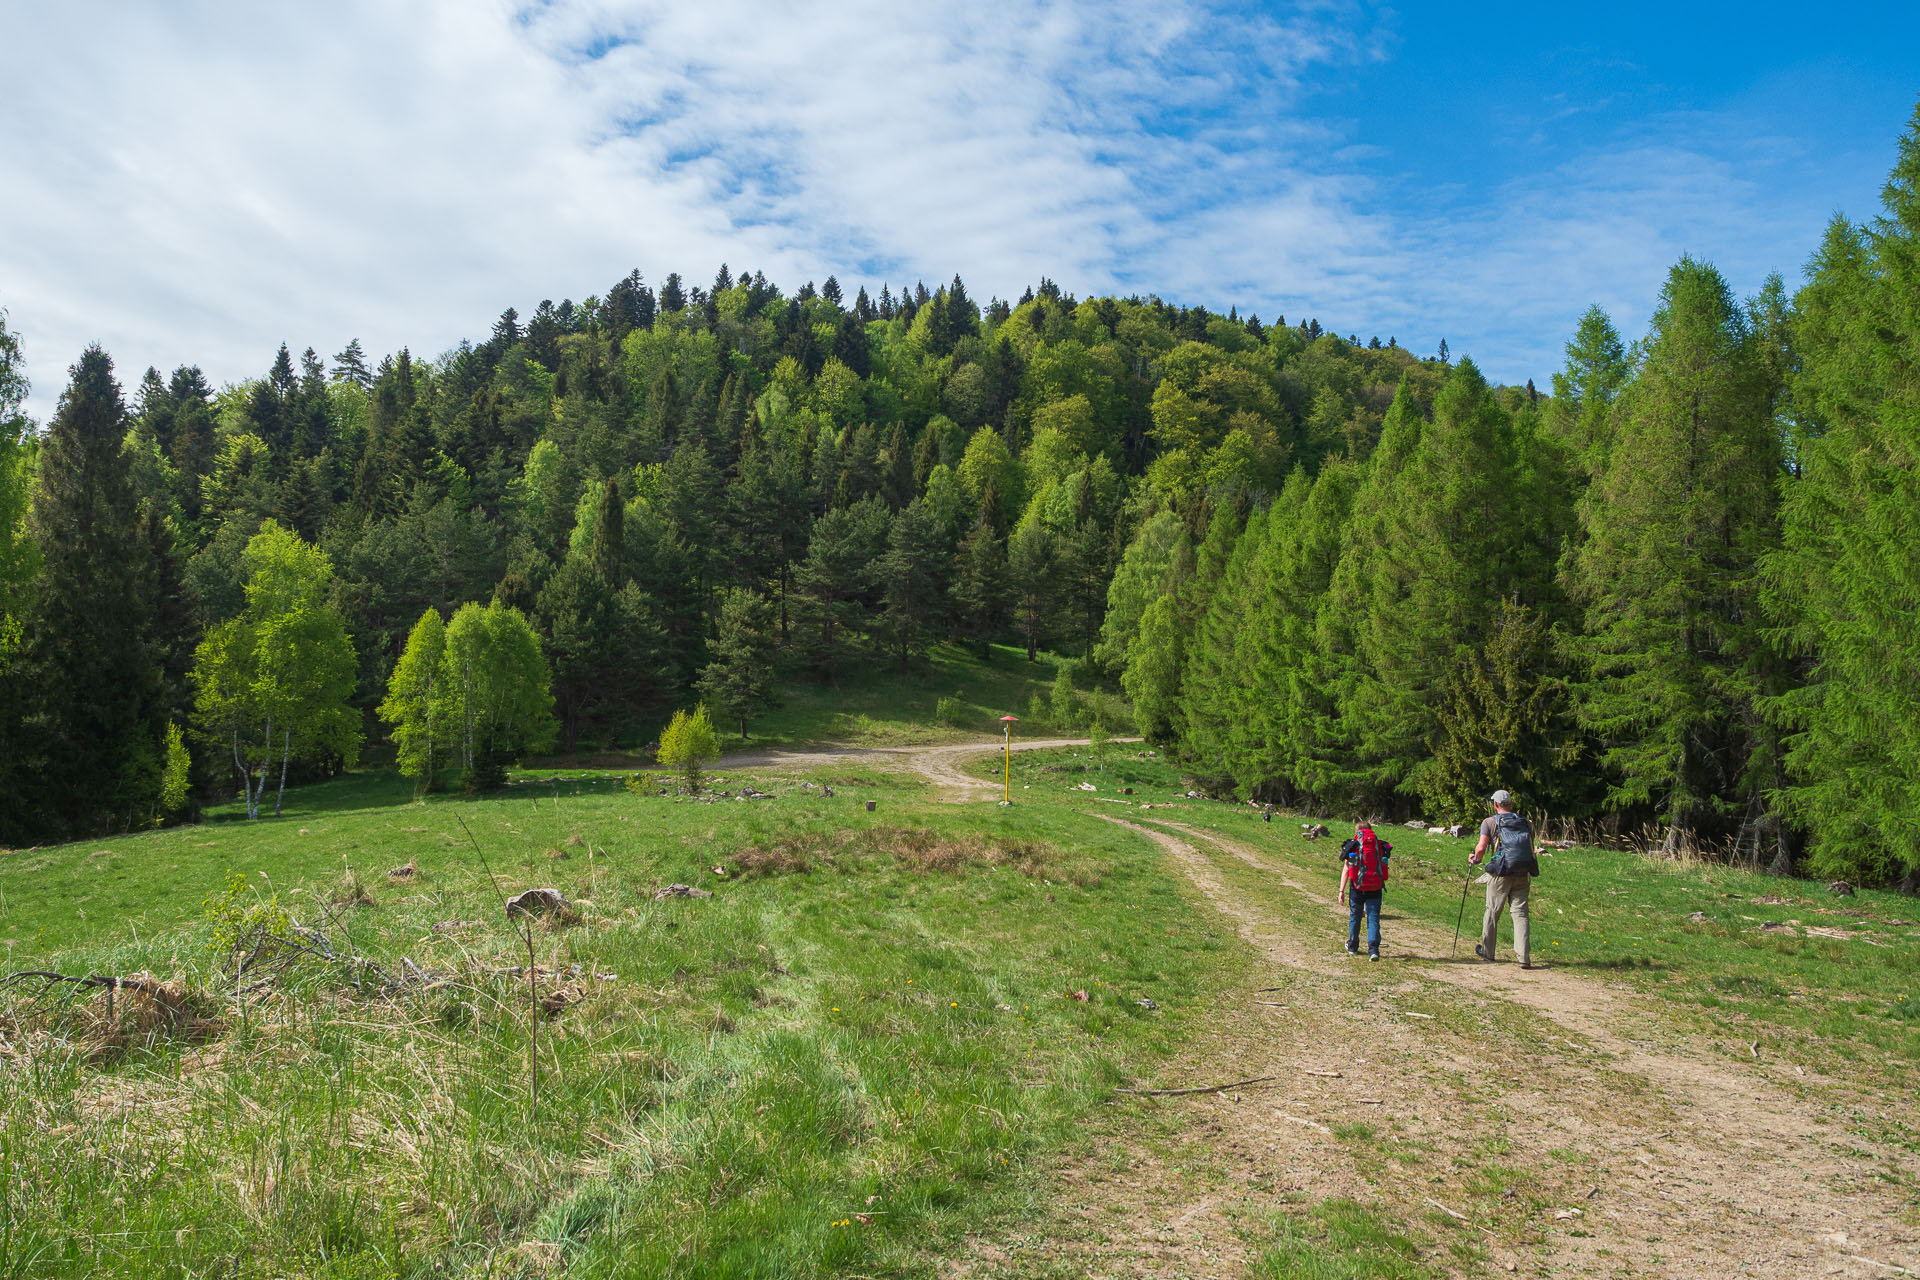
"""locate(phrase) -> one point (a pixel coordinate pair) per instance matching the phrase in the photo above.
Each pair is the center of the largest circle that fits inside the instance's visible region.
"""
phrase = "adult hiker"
(1510, 873)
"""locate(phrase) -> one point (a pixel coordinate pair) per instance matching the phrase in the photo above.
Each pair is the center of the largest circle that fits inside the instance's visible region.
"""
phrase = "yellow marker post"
(1006, 777)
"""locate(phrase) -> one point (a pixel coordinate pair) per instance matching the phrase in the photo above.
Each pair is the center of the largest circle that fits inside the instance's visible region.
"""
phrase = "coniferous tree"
(912, 576)
(834, 580)
(1296, 742)
(1139, 578)
(1030, 574)
(1583, 394)
(739, 680)
(1152, 677)
(1844, 585)
(350, 366)
(1503, 718)
(87, 756)
(980, 586)
(1675, 523)
(1211, 708)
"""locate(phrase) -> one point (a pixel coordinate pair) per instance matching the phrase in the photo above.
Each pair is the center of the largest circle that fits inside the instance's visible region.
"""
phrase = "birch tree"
(495, 692)
(276, 683)
(413, 704)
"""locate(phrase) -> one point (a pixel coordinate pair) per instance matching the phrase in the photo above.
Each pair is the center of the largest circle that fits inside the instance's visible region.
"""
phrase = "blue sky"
(198, 182)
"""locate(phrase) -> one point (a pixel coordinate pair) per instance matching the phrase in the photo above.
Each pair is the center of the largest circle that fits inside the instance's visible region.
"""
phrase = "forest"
(1673, 598)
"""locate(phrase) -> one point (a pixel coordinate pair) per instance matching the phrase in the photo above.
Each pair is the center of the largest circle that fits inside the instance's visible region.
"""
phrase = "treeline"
(1680, 593)
(674, 489)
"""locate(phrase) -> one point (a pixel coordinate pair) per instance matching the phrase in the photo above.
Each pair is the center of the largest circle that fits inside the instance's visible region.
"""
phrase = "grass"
(1338, 1239)
(862, 1042)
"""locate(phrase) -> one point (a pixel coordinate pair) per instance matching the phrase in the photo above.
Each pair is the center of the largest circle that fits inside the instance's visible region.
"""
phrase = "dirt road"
(1625, 1146)
(940, 765)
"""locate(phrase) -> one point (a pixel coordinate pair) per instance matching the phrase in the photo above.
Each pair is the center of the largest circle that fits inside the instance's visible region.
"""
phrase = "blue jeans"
(1367, 900)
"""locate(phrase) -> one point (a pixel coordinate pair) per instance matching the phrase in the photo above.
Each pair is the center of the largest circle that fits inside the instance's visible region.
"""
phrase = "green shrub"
(689, 745)
(1063, 704)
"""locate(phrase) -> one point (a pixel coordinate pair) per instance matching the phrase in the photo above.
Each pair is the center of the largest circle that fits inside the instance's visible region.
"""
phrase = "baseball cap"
(1501, 797)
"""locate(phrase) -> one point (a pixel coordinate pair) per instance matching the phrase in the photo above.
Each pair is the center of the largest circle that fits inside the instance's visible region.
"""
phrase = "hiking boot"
(1373, 955)
(1480, 950)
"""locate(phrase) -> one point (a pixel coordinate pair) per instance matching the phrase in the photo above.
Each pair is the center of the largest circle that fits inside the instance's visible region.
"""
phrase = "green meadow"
(881, 1037)
(857, 1046)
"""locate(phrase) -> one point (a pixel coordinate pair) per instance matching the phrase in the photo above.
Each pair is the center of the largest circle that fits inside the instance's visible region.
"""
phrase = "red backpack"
(1370, 864)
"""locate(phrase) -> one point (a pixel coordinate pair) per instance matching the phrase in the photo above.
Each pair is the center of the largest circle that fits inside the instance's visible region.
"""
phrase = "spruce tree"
(833, 582)
(739, 681)
(1503, 718)
(980, 587)
(1030, 573)
(89, 749)
(913, 576)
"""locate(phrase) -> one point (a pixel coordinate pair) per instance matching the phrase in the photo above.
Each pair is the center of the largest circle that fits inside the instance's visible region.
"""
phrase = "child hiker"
(1363, 880)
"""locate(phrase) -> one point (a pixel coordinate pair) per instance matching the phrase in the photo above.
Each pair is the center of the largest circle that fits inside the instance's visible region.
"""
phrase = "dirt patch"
(917, 848)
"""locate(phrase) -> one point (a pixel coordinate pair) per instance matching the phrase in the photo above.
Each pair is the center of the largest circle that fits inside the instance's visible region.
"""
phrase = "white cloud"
(197, 183)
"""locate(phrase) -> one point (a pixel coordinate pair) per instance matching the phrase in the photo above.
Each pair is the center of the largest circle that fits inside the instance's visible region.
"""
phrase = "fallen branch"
(92, 980)
(1331, 1075)
(1306, 1124)
(1212, 1088)
(1449, 1212)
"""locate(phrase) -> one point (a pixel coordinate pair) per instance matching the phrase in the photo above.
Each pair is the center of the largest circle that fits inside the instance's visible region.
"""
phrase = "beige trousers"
(1509, 892)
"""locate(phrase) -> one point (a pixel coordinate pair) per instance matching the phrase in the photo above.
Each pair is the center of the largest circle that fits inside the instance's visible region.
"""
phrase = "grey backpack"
(1514, 857)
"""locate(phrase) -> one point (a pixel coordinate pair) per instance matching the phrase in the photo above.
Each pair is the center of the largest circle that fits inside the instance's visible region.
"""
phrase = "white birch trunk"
(286, 749)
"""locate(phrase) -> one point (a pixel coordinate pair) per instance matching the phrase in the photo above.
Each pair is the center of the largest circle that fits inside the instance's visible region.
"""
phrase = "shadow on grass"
(1620, 964)
(386, 788)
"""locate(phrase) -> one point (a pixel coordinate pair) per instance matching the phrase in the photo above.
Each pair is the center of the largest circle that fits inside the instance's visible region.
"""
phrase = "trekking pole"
(1462, 918)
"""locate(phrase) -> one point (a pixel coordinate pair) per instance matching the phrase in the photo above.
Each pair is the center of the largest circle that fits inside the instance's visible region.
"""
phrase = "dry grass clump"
(105, 1015)
(351, 891)
(917, 848)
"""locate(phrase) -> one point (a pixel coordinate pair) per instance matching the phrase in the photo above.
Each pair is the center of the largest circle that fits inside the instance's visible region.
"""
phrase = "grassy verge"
(868, 1038)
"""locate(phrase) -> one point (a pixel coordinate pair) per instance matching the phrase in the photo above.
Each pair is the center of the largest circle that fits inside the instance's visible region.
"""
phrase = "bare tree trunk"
(286, 749)
(240, 767)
